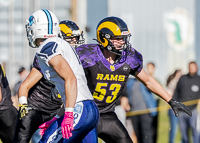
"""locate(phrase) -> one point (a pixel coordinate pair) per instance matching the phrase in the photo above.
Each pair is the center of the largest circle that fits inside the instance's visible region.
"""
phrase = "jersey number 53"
(100, 92)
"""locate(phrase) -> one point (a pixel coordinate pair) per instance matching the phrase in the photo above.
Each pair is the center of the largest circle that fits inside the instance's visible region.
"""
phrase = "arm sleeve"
(50, 50)
(135, 60)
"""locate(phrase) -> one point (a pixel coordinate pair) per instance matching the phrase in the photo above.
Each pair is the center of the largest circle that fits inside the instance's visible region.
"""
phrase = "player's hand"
(23, 111)
(67, 125)
(45, 125)
(176, 106)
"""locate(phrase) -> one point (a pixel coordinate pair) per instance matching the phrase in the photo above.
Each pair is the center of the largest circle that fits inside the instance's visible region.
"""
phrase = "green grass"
(164, 126)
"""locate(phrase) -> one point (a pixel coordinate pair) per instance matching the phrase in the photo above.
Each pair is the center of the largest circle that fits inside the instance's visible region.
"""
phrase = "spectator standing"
(198, 119)
(23, 73)
(151, 71)
(140, 98)
(171, 85)
(188, 88)
(8, 113)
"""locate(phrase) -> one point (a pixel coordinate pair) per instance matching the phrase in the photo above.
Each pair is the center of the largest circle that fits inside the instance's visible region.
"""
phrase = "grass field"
(163, 127)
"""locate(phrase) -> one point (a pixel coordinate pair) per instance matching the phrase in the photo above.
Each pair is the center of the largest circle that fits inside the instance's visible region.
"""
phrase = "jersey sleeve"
(36, 64)
(49, 50)
(135, 60)
(139, 60)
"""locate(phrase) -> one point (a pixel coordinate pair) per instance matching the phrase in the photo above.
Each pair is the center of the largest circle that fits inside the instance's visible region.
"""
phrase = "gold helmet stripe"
(64, 28)
(112, 26)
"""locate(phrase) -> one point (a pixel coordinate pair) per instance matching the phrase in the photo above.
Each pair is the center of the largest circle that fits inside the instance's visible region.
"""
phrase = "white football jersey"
(57, 46)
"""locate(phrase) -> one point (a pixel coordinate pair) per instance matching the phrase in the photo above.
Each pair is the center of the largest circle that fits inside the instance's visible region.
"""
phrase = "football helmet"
(69, 31)
(42, 24)
(112, 27)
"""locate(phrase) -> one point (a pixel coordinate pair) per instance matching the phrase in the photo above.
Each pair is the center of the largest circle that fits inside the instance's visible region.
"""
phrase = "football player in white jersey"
(61, 66)
(71, 33)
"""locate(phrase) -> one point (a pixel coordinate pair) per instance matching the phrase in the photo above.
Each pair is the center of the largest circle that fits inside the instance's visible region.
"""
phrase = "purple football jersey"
(106, 81)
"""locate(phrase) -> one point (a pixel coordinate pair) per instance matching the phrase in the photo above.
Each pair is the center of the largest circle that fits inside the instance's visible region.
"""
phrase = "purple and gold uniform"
(8, 113)
(106, 82)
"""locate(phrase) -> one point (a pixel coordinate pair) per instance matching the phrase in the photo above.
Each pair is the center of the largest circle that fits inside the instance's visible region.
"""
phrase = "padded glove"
(67, 125)
(176, 106)
(45, 125)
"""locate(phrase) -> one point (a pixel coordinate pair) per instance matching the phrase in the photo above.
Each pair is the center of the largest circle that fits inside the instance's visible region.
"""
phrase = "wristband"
(23, 100)
(69, 109)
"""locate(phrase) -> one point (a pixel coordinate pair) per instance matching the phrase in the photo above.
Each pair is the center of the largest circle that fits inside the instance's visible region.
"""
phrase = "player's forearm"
(156, 88)
(33, 77)
(71, 92)
(23, 90)
(0, 93)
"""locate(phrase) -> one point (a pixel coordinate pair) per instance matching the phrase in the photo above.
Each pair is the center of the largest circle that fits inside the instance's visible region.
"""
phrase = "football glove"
(23, 110)
(176, 106)
(45, 125)
(67, 125)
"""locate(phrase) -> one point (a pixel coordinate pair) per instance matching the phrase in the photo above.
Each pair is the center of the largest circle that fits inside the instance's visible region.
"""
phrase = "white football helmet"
(42, 24)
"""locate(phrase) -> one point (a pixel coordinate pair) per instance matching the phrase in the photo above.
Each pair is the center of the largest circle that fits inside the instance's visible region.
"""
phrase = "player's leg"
(27, 126)
(86, 117)
(110, 129)
(91, 137)
(8, 120)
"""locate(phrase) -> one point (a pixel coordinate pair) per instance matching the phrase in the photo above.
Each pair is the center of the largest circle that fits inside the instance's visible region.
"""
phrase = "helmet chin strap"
(119, 54)
(113, 50)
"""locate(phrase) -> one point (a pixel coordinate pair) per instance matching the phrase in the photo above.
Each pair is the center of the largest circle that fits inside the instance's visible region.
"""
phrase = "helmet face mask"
(110, 28)
(41, 24)
(71, 33)
(29, 31)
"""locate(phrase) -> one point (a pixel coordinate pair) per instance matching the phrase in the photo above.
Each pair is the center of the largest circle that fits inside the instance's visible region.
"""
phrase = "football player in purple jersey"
(107, 66)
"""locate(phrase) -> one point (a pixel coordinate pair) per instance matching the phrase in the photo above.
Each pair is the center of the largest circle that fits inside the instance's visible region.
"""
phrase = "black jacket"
(188, 88)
